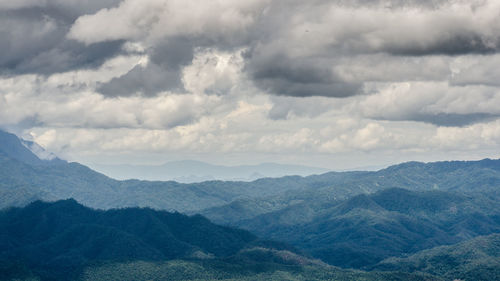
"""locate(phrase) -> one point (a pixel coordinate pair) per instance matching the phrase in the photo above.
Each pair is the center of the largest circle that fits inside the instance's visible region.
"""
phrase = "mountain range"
(399, 218)
(365, 229)
(24, 177)
(190, 171)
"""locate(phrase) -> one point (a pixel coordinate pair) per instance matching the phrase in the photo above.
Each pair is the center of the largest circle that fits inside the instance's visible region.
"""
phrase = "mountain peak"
(25, 151)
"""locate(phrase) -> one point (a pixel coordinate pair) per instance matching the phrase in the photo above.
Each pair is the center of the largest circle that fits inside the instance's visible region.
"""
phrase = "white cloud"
(249, 78)
(155, 19)
(476, 70)
(430, 101)
(213, 72)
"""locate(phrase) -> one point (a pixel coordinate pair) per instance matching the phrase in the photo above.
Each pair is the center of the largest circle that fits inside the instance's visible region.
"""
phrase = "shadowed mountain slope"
(59, 238)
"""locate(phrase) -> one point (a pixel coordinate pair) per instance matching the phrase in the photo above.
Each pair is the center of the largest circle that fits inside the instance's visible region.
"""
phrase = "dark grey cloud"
(293, 46)
(448, 119)
(34, 39)
(297, 77)
(282, 62)
(459, 44)
(167, 58)
(457, 120)
(162, 73)
(147, 81)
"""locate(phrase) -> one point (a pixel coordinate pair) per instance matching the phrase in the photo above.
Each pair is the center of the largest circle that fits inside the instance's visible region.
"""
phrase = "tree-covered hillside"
(67, 241)
(474, 260)
(347, 219)
(365, 229)
(458, 176)
(57, 239)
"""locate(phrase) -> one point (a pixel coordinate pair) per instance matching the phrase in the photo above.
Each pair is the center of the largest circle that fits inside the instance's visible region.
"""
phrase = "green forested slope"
(458, 176)
(230, 270)
(365, 229)
(475, 260)
(57, 239)
(67, 241)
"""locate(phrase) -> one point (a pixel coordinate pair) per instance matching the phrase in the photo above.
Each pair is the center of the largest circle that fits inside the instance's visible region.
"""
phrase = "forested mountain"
(67, 241)
(57, 239)
(347, 219)
(458, 176)
(23, 180)
(365, 229)
(475, 260)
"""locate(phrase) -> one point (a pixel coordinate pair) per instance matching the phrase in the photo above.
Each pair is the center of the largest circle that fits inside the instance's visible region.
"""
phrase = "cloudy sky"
(338, 84)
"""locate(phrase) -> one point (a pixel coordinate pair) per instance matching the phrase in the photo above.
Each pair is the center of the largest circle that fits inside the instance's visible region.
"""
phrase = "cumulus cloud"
(156, 19)
(433, 102)
(256, 77)
(476, 70)
(83, 109)
(312, 45)
(318, 48)
(171, 32)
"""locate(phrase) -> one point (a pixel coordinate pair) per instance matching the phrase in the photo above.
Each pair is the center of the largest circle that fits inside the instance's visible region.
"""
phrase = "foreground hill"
(365, 229)
(61, 237)
(67, 241)
(475, 260)
(237, 270)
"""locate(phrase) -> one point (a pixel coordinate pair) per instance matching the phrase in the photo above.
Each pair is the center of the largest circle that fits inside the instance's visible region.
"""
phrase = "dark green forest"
(67, 241)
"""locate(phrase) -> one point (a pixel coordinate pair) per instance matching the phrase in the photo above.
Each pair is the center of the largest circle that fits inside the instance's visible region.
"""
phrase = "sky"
(336, 84)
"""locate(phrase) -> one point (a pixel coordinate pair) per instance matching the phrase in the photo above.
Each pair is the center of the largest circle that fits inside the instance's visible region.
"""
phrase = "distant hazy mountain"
(24, 177)
(189, 171)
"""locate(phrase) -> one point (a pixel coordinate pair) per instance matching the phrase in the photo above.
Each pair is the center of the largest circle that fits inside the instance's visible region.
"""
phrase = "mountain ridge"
(191, 171)
(43, 235)
(26, 151)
